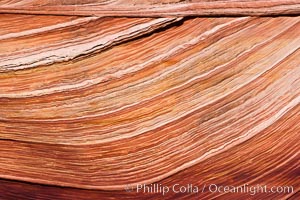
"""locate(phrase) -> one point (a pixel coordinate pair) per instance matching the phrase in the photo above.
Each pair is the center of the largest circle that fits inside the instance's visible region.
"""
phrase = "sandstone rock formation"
(92, 105)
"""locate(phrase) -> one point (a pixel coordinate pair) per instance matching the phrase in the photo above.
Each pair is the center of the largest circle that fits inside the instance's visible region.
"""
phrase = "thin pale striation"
(102, 103)
(51, 44)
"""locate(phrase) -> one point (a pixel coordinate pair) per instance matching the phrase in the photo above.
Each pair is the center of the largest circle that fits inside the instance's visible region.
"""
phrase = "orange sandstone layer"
(152, 8)
(104, 103)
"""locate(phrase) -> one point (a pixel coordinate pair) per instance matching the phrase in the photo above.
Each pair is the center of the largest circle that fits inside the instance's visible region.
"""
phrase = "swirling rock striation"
(96, 104)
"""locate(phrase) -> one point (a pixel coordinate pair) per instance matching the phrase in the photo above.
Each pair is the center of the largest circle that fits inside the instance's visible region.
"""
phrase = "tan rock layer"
(151, 8)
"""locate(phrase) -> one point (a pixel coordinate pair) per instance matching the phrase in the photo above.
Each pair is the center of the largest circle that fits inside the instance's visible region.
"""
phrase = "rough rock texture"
(98, 104)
